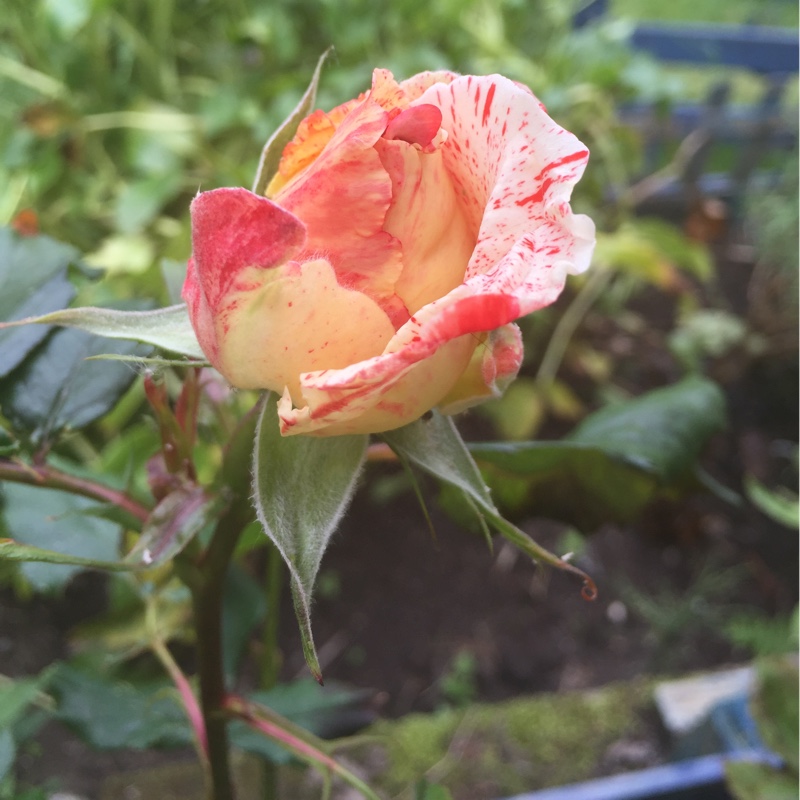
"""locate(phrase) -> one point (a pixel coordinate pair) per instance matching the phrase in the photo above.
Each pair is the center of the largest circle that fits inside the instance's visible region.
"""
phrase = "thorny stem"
(207, 606)
(51, 478)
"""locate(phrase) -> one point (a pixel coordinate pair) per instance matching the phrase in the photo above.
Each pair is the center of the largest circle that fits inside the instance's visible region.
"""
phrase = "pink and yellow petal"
(343, 203)
(493, 366)
(311, 138)
(426, 217)
(233, 230)
(378, 395)
(292, 320)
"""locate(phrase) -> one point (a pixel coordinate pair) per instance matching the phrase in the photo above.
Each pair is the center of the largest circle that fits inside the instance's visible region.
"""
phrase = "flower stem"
(270, 661)
(207, 605)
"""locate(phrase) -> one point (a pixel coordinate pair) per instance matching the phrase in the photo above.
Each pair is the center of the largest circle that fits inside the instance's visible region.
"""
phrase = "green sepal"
(273, 149)
(435, 445)
(301, 488)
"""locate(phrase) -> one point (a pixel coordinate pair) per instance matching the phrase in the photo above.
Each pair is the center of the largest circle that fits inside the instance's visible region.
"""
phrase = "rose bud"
(402, 235)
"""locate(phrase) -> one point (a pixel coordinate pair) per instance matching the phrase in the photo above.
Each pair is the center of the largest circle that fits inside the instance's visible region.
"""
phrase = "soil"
(426, 622)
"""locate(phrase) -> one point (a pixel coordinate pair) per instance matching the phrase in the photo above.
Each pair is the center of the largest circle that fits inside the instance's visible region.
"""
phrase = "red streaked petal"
(515, 168)
(416, 125)
(233, 229)
(493, 366)
(343, 200)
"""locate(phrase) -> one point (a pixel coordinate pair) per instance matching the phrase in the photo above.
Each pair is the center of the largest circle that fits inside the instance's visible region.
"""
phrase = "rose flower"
(401, 236)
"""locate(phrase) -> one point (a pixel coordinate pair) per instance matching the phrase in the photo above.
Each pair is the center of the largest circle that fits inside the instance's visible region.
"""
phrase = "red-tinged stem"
(273, 730)
(187, 695)
(51, 478)
(282, 731)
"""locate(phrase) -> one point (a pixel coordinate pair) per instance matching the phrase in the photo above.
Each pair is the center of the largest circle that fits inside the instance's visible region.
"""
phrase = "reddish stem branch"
(51, 478)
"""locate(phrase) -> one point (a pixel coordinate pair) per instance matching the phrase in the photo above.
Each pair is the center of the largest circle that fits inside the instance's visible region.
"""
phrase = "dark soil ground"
(422, 623)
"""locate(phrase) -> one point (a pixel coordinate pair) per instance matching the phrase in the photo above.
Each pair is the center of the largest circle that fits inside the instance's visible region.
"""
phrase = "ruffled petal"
(311, 138)
(377, 395)
(514, 169)
(415, 86)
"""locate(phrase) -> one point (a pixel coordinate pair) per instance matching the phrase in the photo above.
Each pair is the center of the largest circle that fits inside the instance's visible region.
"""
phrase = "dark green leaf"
(302, 487)
(110, 713)
(57, 387)
(614, 463)
(304, 703)
(664, 430)
(17, 694)
(580, 485)
(8, 752)
(33, 280)
(54, 534)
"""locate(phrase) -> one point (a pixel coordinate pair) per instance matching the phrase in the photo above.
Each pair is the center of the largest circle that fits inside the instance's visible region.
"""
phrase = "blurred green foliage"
(116, 113)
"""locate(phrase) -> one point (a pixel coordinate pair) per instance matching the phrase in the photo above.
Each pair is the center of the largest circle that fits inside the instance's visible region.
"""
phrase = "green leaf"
(435, 446)
(296, 740)
(123, 633)
(664, 430)
(747, 780)
(58, 387)
(139, 202)
(273, 149)
(17, 694)
(431, 791)
(315, 709)
(110, 713)
(174, 522)
(302, 487)
(775, 709)
(615, 462)
(54, 533)
(33, 280)
(167, 328)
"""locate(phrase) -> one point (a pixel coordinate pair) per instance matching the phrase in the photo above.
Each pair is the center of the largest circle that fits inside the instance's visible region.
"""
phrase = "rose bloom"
(403, 233)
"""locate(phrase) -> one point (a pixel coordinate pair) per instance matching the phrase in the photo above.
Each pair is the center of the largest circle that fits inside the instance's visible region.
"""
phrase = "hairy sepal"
(301, 488)
(435, 446)
(273, 149)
